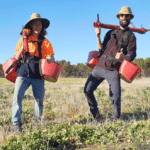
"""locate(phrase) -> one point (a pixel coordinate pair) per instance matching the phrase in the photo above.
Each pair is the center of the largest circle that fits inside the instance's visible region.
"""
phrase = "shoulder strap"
(40, 40)
(114, 34)
(126, 39)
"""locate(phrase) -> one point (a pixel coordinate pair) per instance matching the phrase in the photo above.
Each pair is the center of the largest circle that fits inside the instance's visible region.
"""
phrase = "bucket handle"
(13, 64)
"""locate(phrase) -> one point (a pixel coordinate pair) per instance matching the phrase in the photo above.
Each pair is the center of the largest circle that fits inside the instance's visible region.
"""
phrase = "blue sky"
(71, 29)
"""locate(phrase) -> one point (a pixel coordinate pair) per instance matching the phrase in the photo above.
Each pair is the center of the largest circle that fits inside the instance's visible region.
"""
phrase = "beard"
(125, 25)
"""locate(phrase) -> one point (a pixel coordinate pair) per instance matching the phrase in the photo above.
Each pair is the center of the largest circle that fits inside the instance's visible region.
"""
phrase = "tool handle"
(25, 33)
(97, 17)
(109, 26)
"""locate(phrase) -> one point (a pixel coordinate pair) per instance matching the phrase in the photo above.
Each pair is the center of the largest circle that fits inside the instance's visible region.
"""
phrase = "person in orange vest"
(118, 44)
(28, 68)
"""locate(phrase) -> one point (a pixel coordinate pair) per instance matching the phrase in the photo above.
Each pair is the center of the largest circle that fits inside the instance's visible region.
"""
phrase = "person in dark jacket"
(114, 50)
(28, 70)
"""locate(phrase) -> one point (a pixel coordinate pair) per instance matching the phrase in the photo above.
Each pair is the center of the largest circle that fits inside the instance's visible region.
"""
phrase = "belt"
(29, 61)
(111, 58)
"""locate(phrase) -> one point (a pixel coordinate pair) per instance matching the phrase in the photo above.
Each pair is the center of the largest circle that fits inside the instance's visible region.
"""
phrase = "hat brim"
(45, 22)
(132, 16)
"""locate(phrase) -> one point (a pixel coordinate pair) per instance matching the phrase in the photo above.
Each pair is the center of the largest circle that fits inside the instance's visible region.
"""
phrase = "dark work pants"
(97, 76)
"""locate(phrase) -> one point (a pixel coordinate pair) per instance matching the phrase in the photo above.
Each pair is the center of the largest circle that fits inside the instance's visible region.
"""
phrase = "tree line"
(144, 65)
(81, 70)
(1, 71)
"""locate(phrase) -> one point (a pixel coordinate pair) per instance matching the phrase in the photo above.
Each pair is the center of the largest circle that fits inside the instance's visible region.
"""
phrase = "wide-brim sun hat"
(35, 16)
(125, 11)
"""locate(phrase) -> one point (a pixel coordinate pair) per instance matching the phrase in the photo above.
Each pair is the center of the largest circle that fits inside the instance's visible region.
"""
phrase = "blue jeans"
(21, 85)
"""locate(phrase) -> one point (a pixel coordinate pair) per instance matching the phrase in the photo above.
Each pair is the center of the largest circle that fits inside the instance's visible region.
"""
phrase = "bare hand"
(98, 31)
(120, 55)
(50, 59)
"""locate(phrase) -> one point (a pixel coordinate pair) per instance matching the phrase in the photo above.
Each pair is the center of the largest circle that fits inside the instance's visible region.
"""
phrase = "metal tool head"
(147, 30)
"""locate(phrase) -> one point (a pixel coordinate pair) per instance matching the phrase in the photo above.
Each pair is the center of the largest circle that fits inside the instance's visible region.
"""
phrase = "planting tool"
(109, 26)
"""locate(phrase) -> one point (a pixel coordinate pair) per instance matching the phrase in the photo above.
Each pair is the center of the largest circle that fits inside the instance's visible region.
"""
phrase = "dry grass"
(65, 102)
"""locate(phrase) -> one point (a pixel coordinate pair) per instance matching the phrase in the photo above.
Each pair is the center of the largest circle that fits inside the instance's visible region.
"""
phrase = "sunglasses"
(126, 15)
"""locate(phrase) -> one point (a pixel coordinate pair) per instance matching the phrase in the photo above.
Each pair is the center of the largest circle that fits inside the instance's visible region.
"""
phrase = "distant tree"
(81, 70)
(147, 62)
(139, 62)
(144, 65)
(66, 68)
(78, 71)
(147, 67)
(1, 71)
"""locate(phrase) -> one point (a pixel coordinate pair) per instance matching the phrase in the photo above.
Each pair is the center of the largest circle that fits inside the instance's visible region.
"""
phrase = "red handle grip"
(25, 32)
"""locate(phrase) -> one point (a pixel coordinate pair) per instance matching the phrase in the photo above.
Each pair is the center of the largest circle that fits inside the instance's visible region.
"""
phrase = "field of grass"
(67, 122)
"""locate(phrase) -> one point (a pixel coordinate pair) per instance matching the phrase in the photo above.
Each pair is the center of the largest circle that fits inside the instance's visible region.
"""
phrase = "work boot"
(16, 128)
(99, 118)
(36, 120)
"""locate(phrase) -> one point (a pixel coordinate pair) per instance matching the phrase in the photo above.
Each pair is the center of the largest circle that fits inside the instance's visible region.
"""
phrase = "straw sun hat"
(35, 16)
(125, 10)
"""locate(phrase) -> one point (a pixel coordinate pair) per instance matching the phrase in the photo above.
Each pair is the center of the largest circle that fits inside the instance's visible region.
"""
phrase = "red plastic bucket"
(92, 59)
(9, 69)
(50, 72)
(129, 71)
